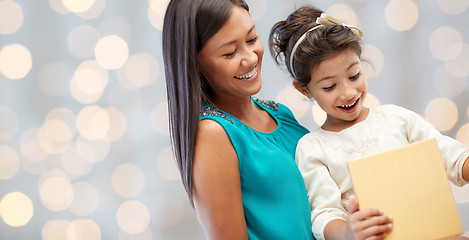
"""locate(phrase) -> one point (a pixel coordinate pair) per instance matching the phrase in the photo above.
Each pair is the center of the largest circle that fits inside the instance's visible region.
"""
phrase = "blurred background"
(84, 145)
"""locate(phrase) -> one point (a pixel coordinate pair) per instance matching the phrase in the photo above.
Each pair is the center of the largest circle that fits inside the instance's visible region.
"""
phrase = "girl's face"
(339, 86)
(231, 59)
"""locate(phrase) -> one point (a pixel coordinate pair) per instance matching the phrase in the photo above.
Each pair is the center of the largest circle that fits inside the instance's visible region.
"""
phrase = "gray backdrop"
(84, 146)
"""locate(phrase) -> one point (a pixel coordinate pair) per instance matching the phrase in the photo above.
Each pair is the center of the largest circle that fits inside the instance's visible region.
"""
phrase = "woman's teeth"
(247, 75)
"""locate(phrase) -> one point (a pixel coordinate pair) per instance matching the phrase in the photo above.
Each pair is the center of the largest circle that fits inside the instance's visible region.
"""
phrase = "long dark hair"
(320, 44)
(188, 25)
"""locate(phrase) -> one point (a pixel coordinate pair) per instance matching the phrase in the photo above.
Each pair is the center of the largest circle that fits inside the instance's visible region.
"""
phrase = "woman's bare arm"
(217, 184)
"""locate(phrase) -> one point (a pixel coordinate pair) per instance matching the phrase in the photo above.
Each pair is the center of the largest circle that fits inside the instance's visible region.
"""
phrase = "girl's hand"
(366, 224)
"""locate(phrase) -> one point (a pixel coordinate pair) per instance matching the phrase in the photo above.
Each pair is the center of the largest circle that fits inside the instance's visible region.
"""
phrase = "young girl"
(235, 153)
(324, 57)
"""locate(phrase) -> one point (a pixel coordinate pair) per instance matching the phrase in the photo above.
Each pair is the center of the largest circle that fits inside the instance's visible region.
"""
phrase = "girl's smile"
(339, 86)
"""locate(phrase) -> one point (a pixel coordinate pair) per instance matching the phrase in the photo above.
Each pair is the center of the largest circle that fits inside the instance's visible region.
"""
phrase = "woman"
(235, 153)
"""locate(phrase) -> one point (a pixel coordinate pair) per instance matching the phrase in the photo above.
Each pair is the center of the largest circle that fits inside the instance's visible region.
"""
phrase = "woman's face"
(231, 59)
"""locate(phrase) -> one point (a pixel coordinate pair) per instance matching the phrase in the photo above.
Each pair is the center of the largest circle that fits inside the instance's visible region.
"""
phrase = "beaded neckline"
(273, 105)
(209, 110)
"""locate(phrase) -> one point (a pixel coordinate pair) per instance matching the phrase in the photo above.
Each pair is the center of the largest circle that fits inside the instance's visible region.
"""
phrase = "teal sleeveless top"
(274, 196)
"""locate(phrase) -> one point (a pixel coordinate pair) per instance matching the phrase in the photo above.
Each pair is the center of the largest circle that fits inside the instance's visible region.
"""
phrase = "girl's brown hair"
(319, 44)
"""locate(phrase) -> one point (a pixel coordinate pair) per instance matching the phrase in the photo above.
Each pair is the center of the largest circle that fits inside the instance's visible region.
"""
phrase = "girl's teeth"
(347, 106)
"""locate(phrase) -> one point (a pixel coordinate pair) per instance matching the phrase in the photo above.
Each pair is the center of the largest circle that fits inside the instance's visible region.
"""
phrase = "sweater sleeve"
(323, 193)
(453, 153)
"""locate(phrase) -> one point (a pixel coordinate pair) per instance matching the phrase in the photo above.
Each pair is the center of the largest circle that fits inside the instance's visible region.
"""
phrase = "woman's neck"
(247, 112)
(238, 107)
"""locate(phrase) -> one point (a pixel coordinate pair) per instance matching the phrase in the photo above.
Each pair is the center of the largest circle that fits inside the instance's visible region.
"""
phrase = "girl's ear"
(302, 89)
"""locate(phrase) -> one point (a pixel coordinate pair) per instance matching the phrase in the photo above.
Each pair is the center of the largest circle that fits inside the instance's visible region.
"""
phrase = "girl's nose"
(349, 92)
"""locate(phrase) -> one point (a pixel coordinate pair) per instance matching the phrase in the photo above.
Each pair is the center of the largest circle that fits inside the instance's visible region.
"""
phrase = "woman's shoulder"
(274, 107)
(215, 114)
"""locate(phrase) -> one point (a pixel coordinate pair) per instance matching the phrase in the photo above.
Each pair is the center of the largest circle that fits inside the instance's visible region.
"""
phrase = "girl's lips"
(350, 108)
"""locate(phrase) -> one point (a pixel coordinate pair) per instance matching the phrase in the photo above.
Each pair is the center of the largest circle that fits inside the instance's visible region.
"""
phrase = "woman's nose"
(249, 58)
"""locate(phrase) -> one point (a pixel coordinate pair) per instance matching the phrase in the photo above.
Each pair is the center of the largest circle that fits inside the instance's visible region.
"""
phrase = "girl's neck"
(337, 125)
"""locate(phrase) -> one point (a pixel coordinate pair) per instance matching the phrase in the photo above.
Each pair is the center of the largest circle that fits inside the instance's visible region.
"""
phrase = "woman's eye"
(254, 39)
(327, 89)
(354, 77)
(231, 54)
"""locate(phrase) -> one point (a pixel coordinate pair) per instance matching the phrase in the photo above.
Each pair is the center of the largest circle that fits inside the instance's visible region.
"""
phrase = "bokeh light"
(111, 52)
(343, 12)
(160, 119)
(32, 151)
(93, 122)
(453, 7)
(115, 25)
(167, 165)
(401, 15)
(55, 230)
(458, 67)
(11, 17)
(373, 60)
(442, 113)
(128, 101)
(463, 134)
(16, 209)
(145, 235)
(128, 180)
(133, 217)
(257, 8)
(78, 6)
(56, 192)
(9, 163)
(83, 229)
(15, 61)
(9, 123)
(55, 136)
(118, 124)
(94, 11)
(53, 79)
(293, 99)
(156, 13)
(86, 199)
(88, 91)
(167, 211)
(139, 71)
(319, 115)
(82, 40)
(93, 150)
(446, 43)
(446, 84)
(58, 6)
(74, 162)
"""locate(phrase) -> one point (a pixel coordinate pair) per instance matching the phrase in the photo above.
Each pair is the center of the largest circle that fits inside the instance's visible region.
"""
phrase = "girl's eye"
(230, 55)
(354, 77)
(254, 39)
(327, 89)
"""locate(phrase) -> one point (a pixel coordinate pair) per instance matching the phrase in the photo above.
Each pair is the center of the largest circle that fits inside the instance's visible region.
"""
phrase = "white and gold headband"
(323, 20)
